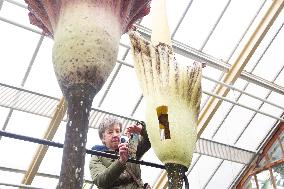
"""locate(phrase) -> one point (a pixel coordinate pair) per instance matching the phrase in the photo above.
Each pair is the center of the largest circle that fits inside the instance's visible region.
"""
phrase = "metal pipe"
(19, 25)
(1, 4)
(181, 19)
(17, 3)
(40, 174)
(222, 83)
(59, 145)
(243, 92)
(21, 186)
(186, 185)
(244, 106)
(200, 56)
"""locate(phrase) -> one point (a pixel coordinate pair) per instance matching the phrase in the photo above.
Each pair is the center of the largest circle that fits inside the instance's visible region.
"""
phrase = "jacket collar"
(101, 148)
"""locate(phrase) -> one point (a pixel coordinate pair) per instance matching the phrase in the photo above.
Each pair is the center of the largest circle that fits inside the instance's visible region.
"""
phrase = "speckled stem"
(175, 175)
(79, 98)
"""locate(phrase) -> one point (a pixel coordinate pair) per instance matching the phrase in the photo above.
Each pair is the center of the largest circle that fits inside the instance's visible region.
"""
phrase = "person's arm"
(106, 177)
(102, 176)
(144, 144)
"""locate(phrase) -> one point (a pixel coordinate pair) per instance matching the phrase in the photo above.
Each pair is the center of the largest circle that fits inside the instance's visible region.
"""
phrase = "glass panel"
(233, 125)
(45, 182)
(33, 125)
(53, 155)
(129, 58)
(225, 175)
(202, 171)
(42, 78)
(125, 39)
(231, 27)
(277, 99)
(100, 94)
(17, 14)
(275, 152)
(20, 1)
(256, 91)
(201, 18)
(212, 73)
(264, 180)
(10, 177)
(150, 174)
(217, 121)
(123, 93)
(278, 172)
(3, 112)
(280, 79)
(261, 52)
(262, 163)
(16, 149)
(16, 47)
(140, 111)
(258, 128)
(204, 100)
(87, 173)
(250, 184)
(121, 52)
(273, 56)
(93, 138)
(282, 138)
(272, 110)
(173, 14)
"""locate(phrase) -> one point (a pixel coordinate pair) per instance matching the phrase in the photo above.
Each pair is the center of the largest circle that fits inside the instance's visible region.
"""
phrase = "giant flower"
(86, 37)
(172, 93)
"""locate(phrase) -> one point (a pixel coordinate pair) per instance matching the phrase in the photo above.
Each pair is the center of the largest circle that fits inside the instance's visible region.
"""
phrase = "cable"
(92, 152)
(186, 185)
(59, 145)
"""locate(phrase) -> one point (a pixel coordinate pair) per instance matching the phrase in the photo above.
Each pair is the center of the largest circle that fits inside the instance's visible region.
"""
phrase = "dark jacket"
(111, 174)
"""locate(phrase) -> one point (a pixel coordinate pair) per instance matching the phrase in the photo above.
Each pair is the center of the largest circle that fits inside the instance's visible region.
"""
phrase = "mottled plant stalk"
(79, 99)
(176, 174)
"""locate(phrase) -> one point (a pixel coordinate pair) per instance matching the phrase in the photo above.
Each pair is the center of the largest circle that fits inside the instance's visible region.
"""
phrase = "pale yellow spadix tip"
(162, 110)
(160, 26)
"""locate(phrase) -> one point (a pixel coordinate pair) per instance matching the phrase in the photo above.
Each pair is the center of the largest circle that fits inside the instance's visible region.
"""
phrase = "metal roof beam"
(97, 114)
(25, 6)
(20, 171)
(22, 186)
(1, 4)
(204, 146)
(199, 56)
(192, 53)
(235, 70)
(42, 149)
